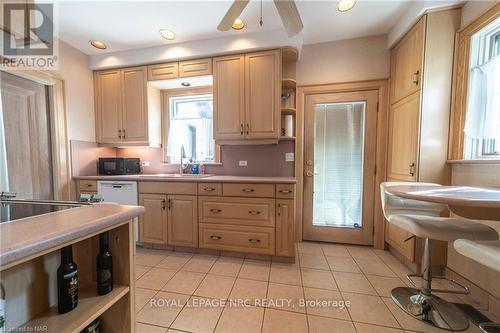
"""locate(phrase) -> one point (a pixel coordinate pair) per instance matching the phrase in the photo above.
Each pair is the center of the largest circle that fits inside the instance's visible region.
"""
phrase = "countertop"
(197, 179)
(22, 239)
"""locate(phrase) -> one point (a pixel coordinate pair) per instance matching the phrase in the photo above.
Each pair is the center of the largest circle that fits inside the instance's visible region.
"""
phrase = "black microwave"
(119, 166)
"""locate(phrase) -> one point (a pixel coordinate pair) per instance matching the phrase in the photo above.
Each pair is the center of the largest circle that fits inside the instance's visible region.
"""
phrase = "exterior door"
(183, 220)
(135, 109)
(153, 223)
(108, 102)
(339, 156)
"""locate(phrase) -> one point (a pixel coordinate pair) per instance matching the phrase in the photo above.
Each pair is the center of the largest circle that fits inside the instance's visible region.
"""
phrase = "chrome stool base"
(430, 309)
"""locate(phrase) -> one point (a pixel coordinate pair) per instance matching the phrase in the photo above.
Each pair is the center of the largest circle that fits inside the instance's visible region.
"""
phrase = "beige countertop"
(197, 179)
(25, 238)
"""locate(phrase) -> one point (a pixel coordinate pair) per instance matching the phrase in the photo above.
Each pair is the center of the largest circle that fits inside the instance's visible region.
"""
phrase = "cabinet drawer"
(195, 67)
(168, 187)
(87, 185)
(210, 189)
(163, 71)
(248, 190)
(242, 211)
(237, 238)
(285, 191)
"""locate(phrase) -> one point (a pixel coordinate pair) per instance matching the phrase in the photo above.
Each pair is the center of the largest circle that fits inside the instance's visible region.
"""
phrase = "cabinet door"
(163, 71)
(108, 103)
(153, 224)
(285, 228)
(183, 220)
(406, 63)
(403, 139)
(195, 67)
(262, 95)
(396, 237)
(135, 107)
(229, 97)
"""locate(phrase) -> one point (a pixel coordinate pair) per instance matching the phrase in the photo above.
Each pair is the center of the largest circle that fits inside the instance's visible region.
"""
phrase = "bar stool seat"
(486, 253)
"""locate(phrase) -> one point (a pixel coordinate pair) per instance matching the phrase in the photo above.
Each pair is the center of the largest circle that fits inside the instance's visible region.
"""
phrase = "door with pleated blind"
(339, 157)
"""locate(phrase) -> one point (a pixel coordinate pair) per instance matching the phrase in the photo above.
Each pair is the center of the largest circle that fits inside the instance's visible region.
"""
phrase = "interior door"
(339, 156)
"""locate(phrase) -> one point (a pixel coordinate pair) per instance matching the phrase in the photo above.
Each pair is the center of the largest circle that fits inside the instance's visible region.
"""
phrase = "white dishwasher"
(122, 193)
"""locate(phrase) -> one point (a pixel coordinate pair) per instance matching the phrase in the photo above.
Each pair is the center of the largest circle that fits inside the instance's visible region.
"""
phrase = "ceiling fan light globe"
(238, 24)
(345, 5)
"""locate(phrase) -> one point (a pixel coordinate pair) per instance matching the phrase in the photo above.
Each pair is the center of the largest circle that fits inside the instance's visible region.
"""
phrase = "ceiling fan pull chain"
(261, 21)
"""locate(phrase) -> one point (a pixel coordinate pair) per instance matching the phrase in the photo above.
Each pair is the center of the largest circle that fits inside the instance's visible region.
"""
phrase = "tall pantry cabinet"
(420, 94)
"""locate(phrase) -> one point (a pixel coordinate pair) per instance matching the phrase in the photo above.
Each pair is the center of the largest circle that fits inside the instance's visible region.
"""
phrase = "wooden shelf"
(288, 111)
(90, 306)
(287, 138)
(288, 83)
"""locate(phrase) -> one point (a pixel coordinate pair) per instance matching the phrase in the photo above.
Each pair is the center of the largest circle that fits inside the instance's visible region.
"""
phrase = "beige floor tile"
(248, 291)
(175, 260)
(142, 297)
(385, 255)
(227, 266)
(352, 282)
(162, 310)
(406, 321)
(313, 261)
(285, 297)
(171, 330)
(309, 247)
(140, 271)
(255, 269)
(329, 325)
(215, 286)
(155, 278)
(343, 264)
(398, 268)
(384, 284)
(284, 321)
(145, 328)
(149, 257)
(318, 279)
(374, 267)
(369, 309)
(362, 252)
(200, 263)
(335, 250)
(326, 303)
(240, 319)
(198, 316)
(283, 273)
(184, 282)
(368, 328)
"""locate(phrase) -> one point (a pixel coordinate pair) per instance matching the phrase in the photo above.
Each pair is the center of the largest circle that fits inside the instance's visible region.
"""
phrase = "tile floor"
(184, 292)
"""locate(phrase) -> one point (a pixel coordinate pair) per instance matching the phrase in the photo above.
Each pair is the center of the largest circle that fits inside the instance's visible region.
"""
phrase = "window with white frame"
(190, 125)
(482, 124)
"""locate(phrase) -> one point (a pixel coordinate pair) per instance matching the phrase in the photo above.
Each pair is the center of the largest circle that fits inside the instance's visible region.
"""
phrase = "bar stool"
(423, 220)
(487, 253)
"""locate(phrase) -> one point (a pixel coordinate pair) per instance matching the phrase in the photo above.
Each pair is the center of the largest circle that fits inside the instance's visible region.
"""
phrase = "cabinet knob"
(215, 237)
(248, 129)
(215, 210)
(415, 77)
(254, 240)
(119, 134)
(241, 129)
(253, 212)
(412, 169)
(123, 131)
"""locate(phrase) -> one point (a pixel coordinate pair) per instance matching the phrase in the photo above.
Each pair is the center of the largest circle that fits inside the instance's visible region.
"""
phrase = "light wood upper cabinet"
(108, 103)
(197, 67)
(407, 61)
(403, 139)
(183, 220)
(229, 97)
(153, 223)
(285, 230)
(135, 108)
(262, 91)
(163, 71)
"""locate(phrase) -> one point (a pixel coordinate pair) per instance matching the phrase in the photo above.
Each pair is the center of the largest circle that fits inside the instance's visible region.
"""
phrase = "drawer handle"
(215, 237)
(285, 191)
(254, 240)
(89, 185)
(215, 210)
(248, 190)
(253, 212)
(209, 189)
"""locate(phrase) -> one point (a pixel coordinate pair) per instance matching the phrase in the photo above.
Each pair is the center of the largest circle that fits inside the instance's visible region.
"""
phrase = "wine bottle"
(2, 308)
(67, 282)
(104, 263)
(93, 327)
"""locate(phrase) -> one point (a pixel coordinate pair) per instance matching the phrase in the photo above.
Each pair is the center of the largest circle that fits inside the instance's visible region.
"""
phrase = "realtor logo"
(28, 33)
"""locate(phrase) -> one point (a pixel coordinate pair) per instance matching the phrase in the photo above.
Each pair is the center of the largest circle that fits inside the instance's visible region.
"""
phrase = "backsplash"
(262, 160)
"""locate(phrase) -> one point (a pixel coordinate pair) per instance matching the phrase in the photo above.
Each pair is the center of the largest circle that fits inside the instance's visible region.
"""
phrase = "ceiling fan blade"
(232, 14)
(289, 16)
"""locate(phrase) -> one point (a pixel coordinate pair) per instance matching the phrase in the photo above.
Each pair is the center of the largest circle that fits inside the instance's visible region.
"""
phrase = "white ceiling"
(126, 25)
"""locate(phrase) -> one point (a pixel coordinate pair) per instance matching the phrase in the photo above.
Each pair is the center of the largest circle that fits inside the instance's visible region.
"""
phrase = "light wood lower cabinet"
(153, 223)
(182, 220)
(285, 229)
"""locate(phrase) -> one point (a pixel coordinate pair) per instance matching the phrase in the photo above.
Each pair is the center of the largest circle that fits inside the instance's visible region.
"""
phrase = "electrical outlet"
(289, 157)
(243, 163)
(145, 163)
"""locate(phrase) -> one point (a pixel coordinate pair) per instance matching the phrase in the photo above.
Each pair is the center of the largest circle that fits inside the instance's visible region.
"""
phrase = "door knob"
(309, 162)
(309, 173)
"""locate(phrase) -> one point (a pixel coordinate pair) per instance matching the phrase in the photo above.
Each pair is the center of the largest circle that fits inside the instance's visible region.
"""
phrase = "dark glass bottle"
(67, 282)
(104, 263)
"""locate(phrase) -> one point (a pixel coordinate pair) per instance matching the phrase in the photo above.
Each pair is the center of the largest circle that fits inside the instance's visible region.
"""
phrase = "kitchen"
(241, 163)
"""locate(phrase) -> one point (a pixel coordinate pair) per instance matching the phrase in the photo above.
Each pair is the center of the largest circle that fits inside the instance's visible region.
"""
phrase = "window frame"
(461, 81)
(165, 123)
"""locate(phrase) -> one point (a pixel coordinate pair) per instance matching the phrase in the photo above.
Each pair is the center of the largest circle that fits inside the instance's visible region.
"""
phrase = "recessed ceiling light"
(238, 24)
(345, 5)
(98, 45)
(167, 34)
(185, 84)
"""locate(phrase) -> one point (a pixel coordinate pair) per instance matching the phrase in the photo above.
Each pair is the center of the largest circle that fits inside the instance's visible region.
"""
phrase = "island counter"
(30, 256)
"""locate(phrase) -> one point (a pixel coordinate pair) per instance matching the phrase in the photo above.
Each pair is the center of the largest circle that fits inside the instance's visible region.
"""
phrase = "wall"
(344, 61)
(473, 9)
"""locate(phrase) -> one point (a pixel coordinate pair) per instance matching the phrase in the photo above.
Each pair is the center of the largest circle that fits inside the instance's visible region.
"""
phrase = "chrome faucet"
(183, 156)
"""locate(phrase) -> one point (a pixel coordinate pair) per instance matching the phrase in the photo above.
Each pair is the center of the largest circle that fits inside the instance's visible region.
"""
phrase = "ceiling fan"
(286, 9)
